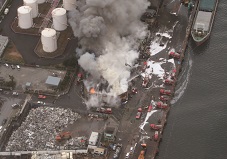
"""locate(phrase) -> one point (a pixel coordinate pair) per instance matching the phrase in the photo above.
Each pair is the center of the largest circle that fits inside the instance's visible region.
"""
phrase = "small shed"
(53, 81)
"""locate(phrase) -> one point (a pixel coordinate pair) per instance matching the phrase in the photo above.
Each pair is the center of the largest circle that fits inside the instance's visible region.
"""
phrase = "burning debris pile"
(39, 129)
(110, 32)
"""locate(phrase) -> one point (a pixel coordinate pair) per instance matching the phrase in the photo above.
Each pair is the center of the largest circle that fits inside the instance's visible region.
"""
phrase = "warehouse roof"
(54, 81)
(94, 136)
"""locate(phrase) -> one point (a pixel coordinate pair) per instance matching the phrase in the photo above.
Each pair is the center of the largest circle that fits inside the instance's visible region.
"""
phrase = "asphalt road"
(8, 100)
(26, 44)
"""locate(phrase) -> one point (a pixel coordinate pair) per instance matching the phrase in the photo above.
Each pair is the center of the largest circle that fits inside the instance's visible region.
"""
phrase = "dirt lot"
(37, 76)
(11, 54)
(84, 127)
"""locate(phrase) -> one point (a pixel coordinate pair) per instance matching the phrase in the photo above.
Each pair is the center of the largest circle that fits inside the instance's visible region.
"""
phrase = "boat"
(204, 19)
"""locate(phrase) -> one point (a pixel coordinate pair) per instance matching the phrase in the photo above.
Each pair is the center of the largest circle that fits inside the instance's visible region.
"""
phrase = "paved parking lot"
(37, 76)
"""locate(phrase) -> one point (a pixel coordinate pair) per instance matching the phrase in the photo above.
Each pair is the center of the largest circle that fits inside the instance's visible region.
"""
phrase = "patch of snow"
(172, 61)
(147, 117)
(156, 48)
(164, 35)
(155, 69)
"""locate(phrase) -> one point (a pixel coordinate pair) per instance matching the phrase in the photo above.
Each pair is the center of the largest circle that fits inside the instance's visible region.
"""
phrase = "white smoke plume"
(111, 30)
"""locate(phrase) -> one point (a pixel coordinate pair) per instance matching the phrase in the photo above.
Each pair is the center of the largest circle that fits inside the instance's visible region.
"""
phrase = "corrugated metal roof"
(203, 20)
(54, 81)
(207, 5)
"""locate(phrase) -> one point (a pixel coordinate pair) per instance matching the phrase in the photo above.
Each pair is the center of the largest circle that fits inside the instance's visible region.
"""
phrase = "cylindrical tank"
(69, 4)
(25, 20)
(59, 19)
(40, 1)
(49, 40)
(34, 5)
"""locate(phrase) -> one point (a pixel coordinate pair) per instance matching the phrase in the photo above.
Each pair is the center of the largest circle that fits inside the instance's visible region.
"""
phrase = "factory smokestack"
(110, 30)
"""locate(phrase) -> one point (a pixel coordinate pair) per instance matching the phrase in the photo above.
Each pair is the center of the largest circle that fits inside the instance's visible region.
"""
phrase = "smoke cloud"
(110, 31)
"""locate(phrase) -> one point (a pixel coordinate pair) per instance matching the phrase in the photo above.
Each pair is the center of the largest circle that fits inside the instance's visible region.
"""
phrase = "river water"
(197, 123)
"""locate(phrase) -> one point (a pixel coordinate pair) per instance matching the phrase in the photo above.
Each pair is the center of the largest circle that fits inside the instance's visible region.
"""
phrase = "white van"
(18, 67)
(6, 11)
(127, 155)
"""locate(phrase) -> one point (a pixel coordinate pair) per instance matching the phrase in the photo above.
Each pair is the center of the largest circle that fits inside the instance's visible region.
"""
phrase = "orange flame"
(92, 91)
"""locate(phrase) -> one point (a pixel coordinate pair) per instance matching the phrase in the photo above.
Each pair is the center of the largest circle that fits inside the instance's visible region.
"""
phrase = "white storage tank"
(40, 1)
(49, 40)
(25, 20)
(59, 19)
(34, 5)
(69, 4)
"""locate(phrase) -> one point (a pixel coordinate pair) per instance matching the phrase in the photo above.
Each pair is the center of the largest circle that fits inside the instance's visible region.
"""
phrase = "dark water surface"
(197, 123)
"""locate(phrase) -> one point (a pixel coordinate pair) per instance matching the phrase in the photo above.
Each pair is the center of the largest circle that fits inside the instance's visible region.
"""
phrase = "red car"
(42, 97)
(139, 110)
(162, 105)
(145, 81)
(174, 55)
(164, 98)
(165, 92)
(156, 135)
(150, 108)
(169, 81)
(155, 127)
(138, 115)
(104, 110)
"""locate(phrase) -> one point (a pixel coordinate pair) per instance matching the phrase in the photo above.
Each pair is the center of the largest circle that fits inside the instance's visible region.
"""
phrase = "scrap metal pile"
(76, 143)
(39, 129)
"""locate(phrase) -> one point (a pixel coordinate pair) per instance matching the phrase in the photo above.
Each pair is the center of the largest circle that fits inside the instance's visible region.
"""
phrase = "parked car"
(150, 108)
(41, 97)
(114, 147)
(6, 11)
(15, 105)
(41, 102)
(18, 67)
(138, 115)
(15, 94)
(7, 65)
(117, 152)
(132, 150)
(12, 66)
(139, 110)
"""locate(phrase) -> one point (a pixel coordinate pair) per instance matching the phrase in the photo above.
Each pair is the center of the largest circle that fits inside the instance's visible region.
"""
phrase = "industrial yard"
(113, 103)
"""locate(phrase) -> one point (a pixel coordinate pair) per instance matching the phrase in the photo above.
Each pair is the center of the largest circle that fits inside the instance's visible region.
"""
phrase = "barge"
(204, 19)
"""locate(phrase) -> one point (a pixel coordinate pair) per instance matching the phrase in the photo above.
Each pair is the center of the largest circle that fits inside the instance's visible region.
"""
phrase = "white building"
(93, 138)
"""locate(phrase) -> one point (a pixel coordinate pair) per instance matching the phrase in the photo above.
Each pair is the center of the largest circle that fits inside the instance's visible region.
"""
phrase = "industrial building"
(93, 138)
(53, 81)
(110, 130)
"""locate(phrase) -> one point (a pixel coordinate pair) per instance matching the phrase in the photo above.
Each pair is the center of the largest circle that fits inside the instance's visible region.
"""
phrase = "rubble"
(39, 129)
